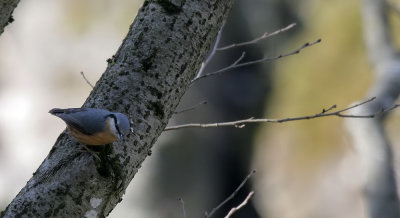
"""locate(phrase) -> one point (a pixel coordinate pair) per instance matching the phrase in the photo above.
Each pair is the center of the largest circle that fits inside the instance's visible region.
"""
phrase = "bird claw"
(93, 153)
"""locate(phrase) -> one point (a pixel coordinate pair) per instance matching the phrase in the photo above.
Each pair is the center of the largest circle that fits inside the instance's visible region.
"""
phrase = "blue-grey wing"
(85, 120)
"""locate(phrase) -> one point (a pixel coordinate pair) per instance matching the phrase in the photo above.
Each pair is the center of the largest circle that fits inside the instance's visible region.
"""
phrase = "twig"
(183, 207)
(87, 81)
(254, 41)
(190, 108)
(234, 209)
(211, 55)
(236, 64)
(324, 113)
(207, 215)
(329, 109)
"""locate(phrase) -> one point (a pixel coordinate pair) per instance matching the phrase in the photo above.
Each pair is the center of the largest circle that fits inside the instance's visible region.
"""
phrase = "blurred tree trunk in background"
(313, 169)
(369, 135)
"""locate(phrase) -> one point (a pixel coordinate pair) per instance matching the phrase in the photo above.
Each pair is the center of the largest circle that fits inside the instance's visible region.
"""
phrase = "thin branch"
(356, 105)
(211, 55)
(236, 64)
(254, 41)
(234, 209)
(324, 113)
(329, 109)
(239, 59)
(207, 215)
(87, 81)
(190, 108)
(183, 207)
(233, 65)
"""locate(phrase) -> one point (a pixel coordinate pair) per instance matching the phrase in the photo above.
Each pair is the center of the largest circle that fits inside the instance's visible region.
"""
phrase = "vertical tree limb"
(145, 79)
(369, 137)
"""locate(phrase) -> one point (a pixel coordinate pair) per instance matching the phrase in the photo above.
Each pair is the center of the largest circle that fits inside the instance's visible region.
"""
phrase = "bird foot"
(93, 153)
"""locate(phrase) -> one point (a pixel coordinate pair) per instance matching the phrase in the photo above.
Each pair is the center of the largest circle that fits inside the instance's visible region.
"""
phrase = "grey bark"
(6, 9)
(380, 191)
(145, 79)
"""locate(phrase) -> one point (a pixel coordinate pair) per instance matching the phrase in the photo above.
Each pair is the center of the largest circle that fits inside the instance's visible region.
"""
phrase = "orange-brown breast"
(102, 138)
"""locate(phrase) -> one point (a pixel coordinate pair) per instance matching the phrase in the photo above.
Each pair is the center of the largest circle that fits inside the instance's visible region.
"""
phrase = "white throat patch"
(111, 126)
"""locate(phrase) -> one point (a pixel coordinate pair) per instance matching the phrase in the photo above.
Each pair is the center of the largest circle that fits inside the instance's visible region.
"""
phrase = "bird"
(93, 126)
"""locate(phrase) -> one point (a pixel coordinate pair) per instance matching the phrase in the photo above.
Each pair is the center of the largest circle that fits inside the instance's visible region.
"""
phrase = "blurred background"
(304, 168)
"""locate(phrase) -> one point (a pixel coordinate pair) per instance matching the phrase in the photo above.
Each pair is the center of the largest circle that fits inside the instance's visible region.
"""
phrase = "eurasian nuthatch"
(93, 126)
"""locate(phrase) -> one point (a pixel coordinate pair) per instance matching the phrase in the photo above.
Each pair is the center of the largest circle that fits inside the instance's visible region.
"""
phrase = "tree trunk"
(145, 79)
(6, 9)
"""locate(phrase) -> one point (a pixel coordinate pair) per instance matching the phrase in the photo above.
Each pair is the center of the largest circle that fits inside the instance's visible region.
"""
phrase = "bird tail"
(56, 111)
